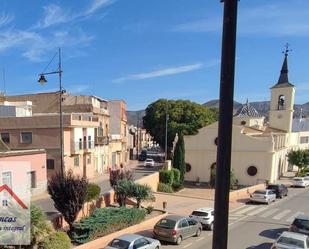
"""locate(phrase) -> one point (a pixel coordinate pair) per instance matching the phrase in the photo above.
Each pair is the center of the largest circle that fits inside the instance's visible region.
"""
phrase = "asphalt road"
(139, 171)
(256, 225)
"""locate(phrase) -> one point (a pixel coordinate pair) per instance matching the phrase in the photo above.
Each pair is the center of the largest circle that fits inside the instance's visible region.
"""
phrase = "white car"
(149, 162)
(300, 182)
(289, 240)
(133, 241)
(205, 216)
(263, 196)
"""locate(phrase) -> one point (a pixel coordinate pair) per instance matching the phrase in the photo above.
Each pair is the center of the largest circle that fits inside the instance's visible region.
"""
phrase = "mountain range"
(135, 117)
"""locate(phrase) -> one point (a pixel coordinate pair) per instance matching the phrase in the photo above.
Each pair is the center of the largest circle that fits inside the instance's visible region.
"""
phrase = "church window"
(252, 170)
(281, 102)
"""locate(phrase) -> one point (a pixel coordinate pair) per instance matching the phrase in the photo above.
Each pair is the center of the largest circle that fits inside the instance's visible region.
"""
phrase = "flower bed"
(105, 221)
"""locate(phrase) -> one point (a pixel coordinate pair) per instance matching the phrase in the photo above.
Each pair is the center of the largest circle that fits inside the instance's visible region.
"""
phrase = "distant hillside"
(261, 106)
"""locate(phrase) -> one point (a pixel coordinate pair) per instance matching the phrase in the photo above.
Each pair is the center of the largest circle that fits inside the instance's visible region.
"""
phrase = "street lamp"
(42, 80)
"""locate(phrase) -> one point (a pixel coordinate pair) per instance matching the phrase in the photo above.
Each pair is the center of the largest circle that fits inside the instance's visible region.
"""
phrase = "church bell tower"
(282, 100)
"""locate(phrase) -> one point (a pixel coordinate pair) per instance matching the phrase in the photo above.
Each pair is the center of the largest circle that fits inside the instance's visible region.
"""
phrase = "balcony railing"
(82, 145)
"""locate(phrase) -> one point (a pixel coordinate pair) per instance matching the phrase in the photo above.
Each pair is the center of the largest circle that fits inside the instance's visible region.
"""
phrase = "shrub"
(93, 192)
(69, 194)
(166, 177)
(177, 186)
(176, 174)
(162, 187)
(105, 221)
(39, 227)
(149, 209)
(57, 240)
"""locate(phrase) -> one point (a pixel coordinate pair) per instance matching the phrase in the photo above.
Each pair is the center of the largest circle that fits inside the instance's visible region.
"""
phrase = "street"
(138, 171)
(255, 225)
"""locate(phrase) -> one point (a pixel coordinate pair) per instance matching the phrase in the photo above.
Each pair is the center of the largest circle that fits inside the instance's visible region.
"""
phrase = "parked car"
(279, 189)
(174, 228)
(133, 241)
(205, 216)
(300, 182)
(300, 224)
(149, 162)
(289, 240)
(263, 196)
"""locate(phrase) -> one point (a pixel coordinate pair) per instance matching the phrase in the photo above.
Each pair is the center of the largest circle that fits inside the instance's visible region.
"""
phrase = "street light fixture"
(42, 80)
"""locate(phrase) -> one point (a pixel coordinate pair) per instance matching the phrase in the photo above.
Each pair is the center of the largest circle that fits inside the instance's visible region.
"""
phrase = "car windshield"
(119, 243)
(149, 160)
(263, 192)
(198, 213)
(291, 242)
(302, 224)
(166, 223)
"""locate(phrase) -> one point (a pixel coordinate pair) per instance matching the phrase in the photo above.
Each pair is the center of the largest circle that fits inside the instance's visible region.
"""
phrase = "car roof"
(204, 209)
(294, 235)
(302, 217)
(174, 217)
(129, 237)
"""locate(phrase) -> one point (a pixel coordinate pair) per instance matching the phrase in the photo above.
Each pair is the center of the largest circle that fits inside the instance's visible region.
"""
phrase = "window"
(76, 161)
(89, 142)
(32, 179)
(50, 163)
(140, 243)
(252, 171)
(281, 102)
(5, 137)
(243, 122)
(89, 159)
(183, 223)
(192, 222)
(303, 140)
(26, 137)
(7, 179)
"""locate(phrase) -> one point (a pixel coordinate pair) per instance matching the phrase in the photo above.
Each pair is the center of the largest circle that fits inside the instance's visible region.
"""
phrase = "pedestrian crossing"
(268, 212)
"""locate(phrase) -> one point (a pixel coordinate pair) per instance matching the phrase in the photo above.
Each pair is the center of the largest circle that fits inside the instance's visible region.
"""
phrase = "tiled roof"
(247, 110)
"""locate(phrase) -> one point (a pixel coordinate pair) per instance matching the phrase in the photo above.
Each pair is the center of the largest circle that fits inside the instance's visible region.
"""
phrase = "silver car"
(263, 196)
(134, 241)
(289, 240)
(174, 228)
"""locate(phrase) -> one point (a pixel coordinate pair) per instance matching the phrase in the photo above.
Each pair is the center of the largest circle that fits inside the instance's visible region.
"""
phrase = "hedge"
(176, 174)
(166, 177)
(162, 187)
(56, 240)
(105, 221)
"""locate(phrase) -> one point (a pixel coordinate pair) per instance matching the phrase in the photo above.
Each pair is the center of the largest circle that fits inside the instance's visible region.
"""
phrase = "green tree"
(179, 158)
(300, 158)
(185, 117)
(69, 193)
(141, 193)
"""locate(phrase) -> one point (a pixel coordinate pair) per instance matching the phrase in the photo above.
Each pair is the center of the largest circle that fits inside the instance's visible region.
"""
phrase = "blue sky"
(142, 50)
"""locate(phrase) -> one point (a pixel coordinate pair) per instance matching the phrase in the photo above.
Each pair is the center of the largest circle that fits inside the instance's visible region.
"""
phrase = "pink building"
(37, 177)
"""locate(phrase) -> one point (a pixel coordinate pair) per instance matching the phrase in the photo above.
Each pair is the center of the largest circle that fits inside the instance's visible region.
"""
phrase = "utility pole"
(220, 235)
(166, 123)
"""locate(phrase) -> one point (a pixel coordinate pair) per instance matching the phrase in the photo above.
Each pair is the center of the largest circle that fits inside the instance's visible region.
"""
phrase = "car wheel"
(157, 247)
(198, 232)
(178, 241)
(211, 226)
(281, 196)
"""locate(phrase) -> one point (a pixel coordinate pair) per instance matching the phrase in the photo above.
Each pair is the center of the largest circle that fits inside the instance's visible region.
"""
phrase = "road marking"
(282, 214)
(257, 211)
(200, 239)
(190, 244)
(235, 209)
(294, 216)
(269, 212)
(246, 210)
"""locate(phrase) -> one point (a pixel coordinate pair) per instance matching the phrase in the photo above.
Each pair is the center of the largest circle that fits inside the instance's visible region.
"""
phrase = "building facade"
(259, 149)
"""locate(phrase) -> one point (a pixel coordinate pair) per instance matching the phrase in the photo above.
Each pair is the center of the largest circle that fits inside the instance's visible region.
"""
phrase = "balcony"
(101, 140)
(80, 147)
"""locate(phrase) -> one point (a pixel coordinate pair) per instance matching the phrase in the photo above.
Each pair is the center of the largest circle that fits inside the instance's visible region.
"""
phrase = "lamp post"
(42, 80)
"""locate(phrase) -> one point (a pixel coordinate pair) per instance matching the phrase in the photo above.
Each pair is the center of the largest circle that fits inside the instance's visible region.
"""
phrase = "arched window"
(281, 102)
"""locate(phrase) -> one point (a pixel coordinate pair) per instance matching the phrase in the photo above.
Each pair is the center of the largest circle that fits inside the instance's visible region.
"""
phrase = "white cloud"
(285, 19)
(160, 73)
(77, 89)
(98, 4)
(5, 19)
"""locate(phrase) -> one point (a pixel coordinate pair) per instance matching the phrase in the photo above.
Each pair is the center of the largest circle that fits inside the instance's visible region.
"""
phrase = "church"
(259, 148)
